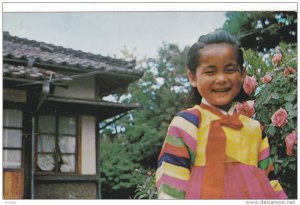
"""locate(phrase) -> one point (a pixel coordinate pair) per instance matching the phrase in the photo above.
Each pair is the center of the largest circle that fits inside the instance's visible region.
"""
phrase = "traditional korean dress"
(211, 155)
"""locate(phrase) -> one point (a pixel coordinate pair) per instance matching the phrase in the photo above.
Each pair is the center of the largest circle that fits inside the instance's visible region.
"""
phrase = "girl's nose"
(220, 78)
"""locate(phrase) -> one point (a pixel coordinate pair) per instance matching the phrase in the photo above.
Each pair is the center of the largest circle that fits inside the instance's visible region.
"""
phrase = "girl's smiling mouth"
(221, 90)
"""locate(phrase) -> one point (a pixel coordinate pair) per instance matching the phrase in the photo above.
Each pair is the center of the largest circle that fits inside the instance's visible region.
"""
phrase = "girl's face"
(218, 78)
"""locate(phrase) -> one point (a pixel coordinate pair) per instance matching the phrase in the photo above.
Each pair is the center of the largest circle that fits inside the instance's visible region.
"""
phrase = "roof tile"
(36, 54)
(15, 47)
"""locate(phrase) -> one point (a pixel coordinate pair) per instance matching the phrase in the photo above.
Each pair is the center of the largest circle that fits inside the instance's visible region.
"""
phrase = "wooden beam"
(109, 69)
(65, 177)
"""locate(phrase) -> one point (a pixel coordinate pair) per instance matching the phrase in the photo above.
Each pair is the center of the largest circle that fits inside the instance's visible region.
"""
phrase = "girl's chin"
(225, 105)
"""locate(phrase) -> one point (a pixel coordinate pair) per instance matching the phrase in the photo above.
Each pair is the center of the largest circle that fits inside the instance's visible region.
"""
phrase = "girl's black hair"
(193, 59)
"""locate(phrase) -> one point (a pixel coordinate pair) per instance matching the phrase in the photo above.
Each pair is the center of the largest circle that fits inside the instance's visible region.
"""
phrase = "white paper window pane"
(67, 125)
(68, 163)
(12, 138)
(67, 144)
(12, 118)
(46, 143)
(12, 159)
(46, 124)
(46, 162)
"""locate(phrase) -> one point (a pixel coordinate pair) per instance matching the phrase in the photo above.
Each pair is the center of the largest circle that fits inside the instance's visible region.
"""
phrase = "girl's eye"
(209, 72)
(232, 70)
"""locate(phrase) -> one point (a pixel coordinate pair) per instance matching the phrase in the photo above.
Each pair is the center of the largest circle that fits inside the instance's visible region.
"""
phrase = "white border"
(147, 6)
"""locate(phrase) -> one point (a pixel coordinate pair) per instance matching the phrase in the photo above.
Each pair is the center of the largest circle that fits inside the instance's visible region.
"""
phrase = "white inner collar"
(229, 112)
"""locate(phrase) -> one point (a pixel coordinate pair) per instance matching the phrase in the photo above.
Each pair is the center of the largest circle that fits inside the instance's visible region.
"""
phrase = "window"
(56, 144)
(12, 138)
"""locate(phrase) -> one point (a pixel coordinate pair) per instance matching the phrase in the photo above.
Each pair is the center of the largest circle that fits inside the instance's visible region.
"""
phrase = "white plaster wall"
(88, 142)
(78, 88)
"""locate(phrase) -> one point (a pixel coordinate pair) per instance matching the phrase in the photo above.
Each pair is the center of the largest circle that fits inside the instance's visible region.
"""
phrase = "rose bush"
(246, 108)
(279, 118)
(266, 79)
(290, 141)
(289, 70)
(277, 58)
(276, 107)
(249, 85)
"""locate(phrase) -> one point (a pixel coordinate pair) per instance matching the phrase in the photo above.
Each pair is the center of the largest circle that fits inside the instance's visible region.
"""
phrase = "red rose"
(289, 70)
(279, 118)
(290, 140)
(276, 58)
(246, 108)
(249, 84)
(266, 79)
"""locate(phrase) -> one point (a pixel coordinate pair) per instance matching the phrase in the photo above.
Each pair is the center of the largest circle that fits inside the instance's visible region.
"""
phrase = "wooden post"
(32, 156)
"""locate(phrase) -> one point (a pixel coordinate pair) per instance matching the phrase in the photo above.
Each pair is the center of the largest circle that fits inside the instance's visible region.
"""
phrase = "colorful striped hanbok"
(209, 155)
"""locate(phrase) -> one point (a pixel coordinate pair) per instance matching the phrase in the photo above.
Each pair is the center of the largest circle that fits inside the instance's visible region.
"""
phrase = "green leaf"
(292, 159)
(292, 166)
(291, 124)
(275, 96)
(288, 106)
(271, 130)
(142, 196)
(267, 100)
(285, 163)
(289, 97)
(276, 168)
(273, 150)
(293, 113)
(263, 115)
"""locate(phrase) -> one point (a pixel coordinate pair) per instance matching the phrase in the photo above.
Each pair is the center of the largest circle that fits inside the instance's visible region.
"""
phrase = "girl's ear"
(192, 78)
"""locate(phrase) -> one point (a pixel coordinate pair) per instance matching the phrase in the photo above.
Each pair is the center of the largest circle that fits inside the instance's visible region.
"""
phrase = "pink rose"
(289, 70)
(246, 108)
(290, 140)
(249, 84)
(292, 70)
(276, 58)
(279, 118)
(266, 79)
(149, 173)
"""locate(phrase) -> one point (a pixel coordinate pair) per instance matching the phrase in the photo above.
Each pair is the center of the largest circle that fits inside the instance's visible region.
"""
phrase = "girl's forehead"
(216, 49)
(216, 46)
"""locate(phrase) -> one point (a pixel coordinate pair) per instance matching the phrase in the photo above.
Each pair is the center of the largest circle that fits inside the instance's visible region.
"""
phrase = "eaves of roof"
(34, 60)
(103, 110)
(24, 49)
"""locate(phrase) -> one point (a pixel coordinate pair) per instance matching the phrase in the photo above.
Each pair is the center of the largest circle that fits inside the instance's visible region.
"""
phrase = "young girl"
(210, 151)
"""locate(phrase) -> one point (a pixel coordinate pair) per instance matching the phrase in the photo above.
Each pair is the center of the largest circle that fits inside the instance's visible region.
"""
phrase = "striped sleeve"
(265, 163)
(177, 156)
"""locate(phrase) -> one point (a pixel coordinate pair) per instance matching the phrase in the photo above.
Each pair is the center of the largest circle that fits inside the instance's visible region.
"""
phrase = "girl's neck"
(226, 109)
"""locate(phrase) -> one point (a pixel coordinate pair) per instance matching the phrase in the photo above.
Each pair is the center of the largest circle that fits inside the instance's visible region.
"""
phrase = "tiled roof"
(21, 48)
(33, 60)
(32, 73)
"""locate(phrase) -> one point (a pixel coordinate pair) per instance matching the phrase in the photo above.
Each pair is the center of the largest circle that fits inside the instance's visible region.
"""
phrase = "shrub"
(145, 184)
(276, 96)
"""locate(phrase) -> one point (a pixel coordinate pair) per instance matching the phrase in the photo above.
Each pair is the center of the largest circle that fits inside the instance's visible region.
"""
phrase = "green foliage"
(162, 91)
(262, 30)
(116, 166)
(145, 184)
(281, 92)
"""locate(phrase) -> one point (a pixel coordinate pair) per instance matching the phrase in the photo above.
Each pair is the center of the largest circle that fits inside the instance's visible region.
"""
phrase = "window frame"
(20, 128)
(57, 135)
